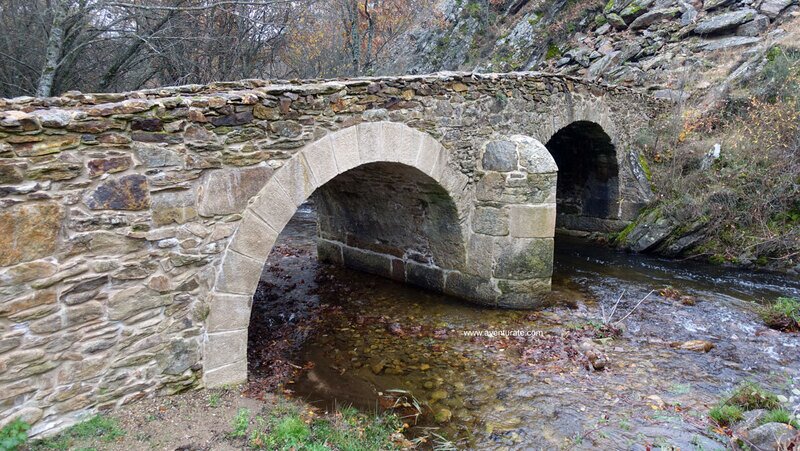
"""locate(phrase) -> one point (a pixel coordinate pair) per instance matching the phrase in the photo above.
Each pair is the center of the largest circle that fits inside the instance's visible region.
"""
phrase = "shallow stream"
(369, 342)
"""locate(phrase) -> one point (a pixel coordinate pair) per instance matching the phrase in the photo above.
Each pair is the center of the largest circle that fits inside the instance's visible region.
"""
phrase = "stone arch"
(588, 188)
(229, 303)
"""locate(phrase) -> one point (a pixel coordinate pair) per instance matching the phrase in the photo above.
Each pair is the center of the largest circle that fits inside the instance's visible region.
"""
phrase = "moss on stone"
(552, 52)
(645, 167)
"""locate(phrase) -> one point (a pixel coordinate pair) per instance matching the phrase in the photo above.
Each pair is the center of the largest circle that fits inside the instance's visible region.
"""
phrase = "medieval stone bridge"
(134, 227)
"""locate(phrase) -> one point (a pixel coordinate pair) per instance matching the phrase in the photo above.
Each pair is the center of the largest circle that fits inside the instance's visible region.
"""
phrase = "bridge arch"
(367, 147)
(588, 188)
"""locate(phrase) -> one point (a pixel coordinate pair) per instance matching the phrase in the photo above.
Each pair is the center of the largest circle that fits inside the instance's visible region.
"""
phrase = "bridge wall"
(127, 221)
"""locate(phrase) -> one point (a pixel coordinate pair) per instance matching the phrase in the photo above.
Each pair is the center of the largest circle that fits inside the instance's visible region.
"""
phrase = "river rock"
(724, 22)
(443, 415)
(770, 436)
(694, 345)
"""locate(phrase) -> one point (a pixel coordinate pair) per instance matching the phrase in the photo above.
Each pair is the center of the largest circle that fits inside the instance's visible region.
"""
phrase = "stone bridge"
(134, 227)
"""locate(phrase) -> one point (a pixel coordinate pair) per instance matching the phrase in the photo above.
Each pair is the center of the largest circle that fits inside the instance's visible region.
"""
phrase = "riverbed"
(483, 378)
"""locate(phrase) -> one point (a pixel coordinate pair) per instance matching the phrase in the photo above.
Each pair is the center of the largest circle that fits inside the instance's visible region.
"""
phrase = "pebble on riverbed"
(693, 345)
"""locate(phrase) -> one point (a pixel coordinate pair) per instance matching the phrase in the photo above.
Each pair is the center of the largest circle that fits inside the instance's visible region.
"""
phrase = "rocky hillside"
(725, 163)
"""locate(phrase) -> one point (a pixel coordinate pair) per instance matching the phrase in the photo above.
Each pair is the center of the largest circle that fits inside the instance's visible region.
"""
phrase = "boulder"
(755, 27)
(651, 17)
(773, 8)
(635, 9)
(709, 5)
(725, 22)
(770, 436)
(729, 42)
(226, 191)
(616, 21)
(130, 192)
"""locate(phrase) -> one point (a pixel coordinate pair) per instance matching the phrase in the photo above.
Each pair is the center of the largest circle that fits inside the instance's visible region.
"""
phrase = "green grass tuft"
(782, 314)
(725, 415)
(780, 416)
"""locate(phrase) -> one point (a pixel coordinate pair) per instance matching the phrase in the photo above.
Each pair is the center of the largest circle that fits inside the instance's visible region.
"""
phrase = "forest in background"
(49, 47)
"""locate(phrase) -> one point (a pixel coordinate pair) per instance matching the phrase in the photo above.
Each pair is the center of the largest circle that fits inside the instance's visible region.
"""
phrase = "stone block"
(345, 148)
(432, 157)
(274, 206)
(131, 301)
(227, 191)
(368, 262)
(156, 156)
(473, 288)
(173, 206)
(480, 249)
(532, 221)
(490, 221)
(239, 274)
(425, 276)
(402, 143)
(254, 238)
(329, 252)
(228, 312)
(371, 142)
(524, 294)
(225, 348)
(319, 156)
(500, 156)
(296, 178)
(130, 192)
(226, 376)
(29, 232)
(523, 258)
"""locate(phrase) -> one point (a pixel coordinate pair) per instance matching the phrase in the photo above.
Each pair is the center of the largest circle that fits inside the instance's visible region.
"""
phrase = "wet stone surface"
(333, 337)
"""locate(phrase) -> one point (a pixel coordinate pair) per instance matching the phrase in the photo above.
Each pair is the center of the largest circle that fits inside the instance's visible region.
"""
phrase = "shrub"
(14, 435)
(782, 314)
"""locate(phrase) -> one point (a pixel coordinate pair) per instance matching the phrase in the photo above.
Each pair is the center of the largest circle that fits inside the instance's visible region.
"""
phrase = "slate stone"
(130, 192)
(28, 232)
(724, 22)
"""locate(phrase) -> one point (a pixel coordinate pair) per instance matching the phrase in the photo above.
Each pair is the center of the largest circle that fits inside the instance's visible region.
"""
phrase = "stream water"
(376, 344)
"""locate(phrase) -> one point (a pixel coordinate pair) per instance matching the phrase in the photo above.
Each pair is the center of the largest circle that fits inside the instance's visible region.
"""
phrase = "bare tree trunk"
(370, 35)
(55, 45)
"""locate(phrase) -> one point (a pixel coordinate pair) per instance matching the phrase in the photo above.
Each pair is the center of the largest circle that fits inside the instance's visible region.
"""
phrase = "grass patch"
(289, 428)
(780, 416)
(782, 314)
(726, 415)
(99, 427)
(751, 396)
(240, 423)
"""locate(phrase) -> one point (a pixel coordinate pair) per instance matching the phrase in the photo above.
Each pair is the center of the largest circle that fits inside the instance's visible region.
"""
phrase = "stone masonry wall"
(117, 211)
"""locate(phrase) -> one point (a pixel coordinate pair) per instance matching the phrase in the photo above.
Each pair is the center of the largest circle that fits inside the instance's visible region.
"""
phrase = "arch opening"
(389, 205)
(385, 219)
(587, 192)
